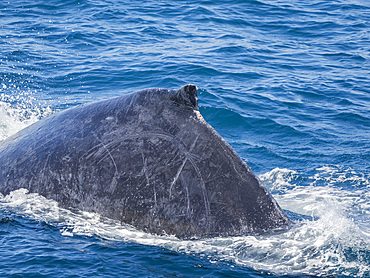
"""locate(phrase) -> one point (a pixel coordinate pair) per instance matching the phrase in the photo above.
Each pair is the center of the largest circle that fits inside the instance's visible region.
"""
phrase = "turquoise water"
(285, 82)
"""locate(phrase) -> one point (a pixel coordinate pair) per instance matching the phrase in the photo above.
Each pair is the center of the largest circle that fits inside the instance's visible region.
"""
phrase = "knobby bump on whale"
(147, 159)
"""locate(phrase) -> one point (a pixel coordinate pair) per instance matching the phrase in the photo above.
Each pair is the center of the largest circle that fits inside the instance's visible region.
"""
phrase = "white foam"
(278, 179)
(336, 175)
(16, 117)
(322, 190)
(317, 246)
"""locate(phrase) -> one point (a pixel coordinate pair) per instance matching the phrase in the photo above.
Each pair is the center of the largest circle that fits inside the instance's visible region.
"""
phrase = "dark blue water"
(285, 82)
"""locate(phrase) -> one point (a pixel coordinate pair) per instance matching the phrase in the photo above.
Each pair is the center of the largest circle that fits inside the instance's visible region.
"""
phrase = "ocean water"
(285, 82)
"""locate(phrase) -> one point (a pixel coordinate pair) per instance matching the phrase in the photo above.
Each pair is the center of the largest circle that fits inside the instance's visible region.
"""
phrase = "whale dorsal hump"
(187, 95)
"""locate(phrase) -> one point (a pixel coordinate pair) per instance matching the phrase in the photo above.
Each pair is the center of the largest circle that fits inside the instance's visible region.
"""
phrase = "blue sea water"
(285, 82)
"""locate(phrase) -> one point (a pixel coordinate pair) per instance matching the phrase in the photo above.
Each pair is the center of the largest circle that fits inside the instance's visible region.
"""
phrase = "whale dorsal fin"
(187, 95)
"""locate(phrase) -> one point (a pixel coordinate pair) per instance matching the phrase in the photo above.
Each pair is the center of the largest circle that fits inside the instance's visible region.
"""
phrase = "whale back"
(147, 159)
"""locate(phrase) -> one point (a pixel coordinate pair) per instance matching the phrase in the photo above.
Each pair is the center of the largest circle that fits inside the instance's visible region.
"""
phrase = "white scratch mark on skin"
(111, 157)
(205, 197)
(177, 175)
(215, 177)
(187, 197)
(182, 166)
(47, 160)
(115, 144)
(145, 168)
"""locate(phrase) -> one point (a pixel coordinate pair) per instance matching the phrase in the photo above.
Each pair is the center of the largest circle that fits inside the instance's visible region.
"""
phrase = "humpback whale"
(147, 159)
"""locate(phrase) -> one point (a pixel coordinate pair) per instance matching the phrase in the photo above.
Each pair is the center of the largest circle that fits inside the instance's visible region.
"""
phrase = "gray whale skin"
(147, 159)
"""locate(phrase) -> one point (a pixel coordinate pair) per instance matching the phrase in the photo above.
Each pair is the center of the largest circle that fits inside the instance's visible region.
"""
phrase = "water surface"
(285, 82)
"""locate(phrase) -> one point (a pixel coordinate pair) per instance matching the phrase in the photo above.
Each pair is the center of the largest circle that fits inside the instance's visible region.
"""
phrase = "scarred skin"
(147, 159)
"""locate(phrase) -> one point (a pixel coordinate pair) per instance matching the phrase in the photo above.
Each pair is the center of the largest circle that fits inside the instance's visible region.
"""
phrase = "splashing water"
(18, 111)
(326, 238)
